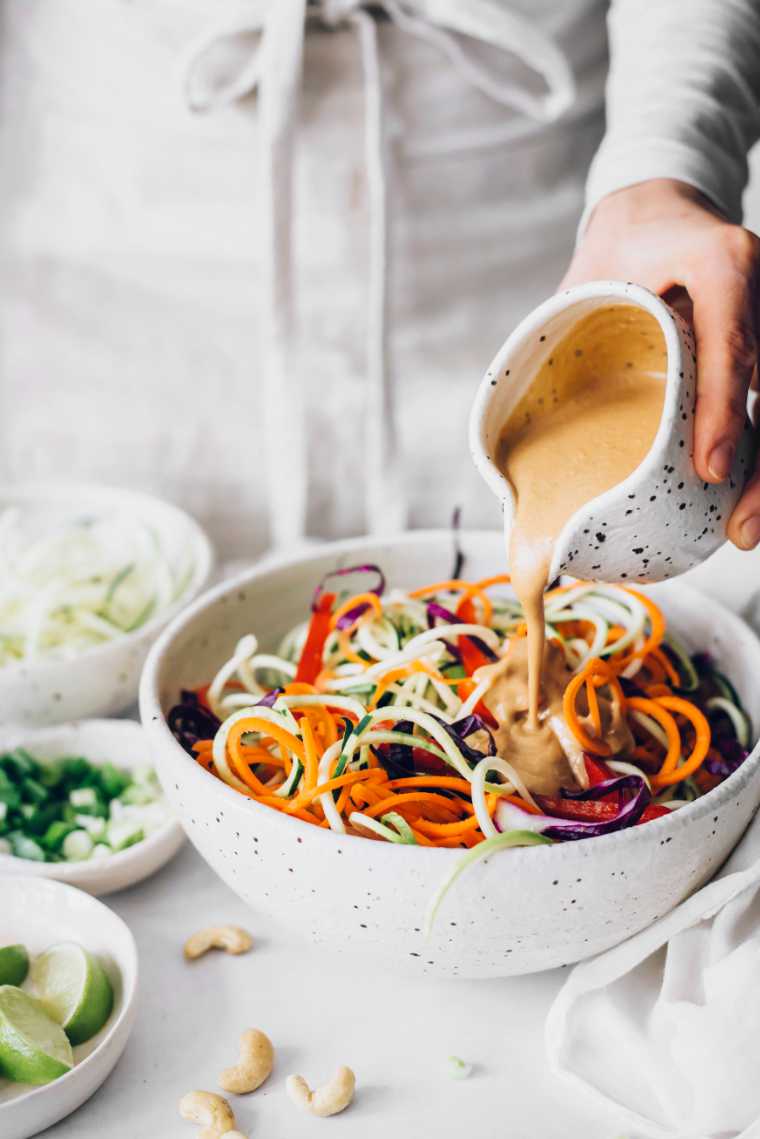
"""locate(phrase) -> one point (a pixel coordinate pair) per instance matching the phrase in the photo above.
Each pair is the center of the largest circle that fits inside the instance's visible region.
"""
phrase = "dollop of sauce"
(536, 753)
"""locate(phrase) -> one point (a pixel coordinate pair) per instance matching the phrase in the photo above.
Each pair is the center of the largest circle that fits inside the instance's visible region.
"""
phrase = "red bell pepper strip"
(466, 610)
(584, 810)
(653, 811)
(472, 657)
(310, 662)
(424, 761)
(594, 810)
(202, 694)
(597, 772)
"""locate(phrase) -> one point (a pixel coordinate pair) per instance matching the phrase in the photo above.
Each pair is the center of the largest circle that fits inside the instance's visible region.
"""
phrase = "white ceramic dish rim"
(68, 872)
(70, 493)
(616, 292)
(153, 716)
(127, 1000)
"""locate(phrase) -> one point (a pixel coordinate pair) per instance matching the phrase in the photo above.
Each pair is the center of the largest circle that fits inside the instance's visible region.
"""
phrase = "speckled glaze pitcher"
(663, 518)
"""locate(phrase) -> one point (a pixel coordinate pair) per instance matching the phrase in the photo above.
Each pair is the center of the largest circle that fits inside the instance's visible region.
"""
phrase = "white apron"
(148, 279)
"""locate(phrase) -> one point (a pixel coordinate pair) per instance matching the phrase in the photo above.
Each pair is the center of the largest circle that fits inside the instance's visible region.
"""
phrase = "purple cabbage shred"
(189, 721)
(378, 589)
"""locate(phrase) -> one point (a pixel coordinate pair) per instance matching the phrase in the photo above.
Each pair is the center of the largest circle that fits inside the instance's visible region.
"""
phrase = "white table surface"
(321, 1011)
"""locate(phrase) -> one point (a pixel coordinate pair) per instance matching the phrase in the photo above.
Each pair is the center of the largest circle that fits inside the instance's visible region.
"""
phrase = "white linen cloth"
(666, 1026)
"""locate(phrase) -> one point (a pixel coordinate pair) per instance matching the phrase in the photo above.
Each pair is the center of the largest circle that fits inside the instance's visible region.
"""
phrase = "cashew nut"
(211, 1110)
(231, 938)
(256, 1060)
(327, 1100)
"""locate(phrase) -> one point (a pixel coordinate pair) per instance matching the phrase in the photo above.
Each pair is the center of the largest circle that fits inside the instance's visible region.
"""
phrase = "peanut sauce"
(585, 423)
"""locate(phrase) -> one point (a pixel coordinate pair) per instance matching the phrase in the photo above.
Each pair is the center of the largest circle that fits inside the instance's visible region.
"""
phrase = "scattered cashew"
(327, 1100)
(231, 938)
(211, 1110)
(256, 1060)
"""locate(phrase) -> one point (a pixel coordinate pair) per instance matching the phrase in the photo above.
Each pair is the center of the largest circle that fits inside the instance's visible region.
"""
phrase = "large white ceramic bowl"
(103, 680)
(122, 743)
(518, 912)
(38, 914)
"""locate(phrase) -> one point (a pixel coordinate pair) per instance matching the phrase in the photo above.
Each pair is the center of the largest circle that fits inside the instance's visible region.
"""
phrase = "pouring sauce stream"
(585, 423)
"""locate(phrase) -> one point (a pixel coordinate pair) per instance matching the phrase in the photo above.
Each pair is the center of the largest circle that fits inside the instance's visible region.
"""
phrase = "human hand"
(663, 234)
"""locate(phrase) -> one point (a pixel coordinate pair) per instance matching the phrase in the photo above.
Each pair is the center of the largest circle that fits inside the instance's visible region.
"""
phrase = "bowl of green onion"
(80, 803)
(89, 575)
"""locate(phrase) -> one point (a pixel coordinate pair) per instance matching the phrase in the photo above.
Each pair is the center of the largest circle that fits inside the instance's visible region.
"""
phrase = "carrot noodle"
(358, 725)
(595, 669)
(674, 774)
(656, 620)
(453, 585)
(593, 706)
(654, 690)
(670, 671)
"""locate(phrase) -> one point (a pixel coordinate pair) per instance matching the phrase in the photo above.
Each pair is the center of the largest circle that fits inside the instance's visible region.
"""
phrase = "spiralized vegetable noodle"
(376, 716)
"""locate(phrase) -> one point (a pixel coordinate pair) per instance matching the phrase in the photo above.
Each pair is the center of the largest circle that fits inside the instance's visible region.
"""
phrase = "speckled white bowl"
(122, 743)
(38, 914)
(518, 912)
(103, 680)
(662, 519)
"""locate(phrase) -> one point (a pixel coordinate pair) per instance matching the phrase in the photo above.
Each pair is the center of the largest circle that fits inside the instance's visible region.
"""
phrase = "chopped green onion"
(64, 808)
(77, 846)
(458, 1069)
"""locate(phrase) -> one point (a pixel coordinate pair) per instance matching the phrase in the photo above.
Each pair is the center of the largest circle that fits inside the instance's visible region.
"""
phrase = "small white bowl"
(123, 743)
(517, 912)
(101, 681)
(662, 519)
(39, 914)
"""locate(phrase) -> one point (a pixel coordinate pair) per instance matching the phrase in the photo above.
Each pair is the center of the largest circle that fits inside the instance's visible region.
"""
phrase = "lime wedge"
(14, 964)
(73, 987)
(33, 1048)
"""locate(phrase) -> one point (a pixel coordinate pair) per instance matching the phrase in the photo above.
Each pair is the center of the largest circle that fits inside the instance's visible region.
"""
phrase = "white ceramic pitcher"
(661, 520)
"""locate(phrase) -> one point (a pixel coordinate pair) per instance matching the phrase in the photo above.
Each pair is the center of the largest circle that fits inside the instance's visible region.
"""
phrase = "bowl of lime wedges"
(68, 980)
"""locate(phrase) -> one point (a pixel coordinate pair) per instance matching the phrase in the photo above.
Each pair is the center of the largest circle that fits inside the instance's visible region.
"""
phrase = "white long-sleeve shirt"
(682, 97)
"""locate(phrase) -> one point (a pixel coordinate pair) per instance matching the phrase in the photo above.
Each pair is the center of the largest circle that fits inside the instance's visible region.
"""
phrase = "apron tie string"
(265, 55)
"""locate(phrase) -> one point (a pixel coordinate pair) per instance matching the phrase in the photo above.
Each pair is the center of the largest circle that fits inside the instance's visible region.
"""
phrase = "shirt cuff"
(622, 162)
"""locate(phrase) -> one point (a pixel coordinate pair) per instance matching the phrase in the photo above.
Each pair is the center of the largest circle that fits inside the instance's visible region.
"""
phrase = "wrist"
(650, 201)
